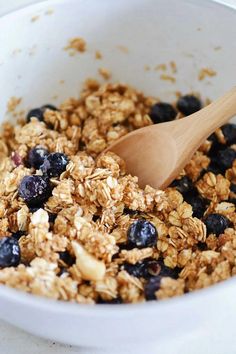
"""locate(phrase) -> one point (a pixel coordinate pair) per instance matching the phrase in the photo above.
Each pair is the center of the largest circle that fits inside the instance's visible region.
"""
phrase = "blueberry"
(36, 113)
(95, 218)
(198, 203)
(229, 131)
(233, 187)
(215, 146)
(213, 138)
(34, 190)
(137, 270)
(149, 268)
(49, 106)
(34, 209)
(202, 246)
(18, 234)
(67, 258)
(142, 234)
(225, 158)
(162, 112)
(39, 112)
(153, 268)
(167, 271)
(216, 224)
(9, 252)
(183, 185)
(115, 301)
(214, 168)
(152, 285)
(36, 156)
(54, 164)
(188, 104)
(130, 211)
(232, 200)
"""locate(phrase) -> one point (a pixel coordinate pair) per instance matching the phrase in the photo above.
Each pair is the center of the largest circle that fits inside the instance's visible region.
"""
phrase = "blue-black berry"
(198, 203)
(36, 156)
(66, 258)
(232, 196)
(229, 132)
(137, 270)
(34, 190)
(225, 158)
(54, 164)
(183, 185)
(35, 113)
(152, 285)
(9, 252)
(149, 268)
(142, 234)
(49, 106)
(215, 146)
(216, 224)
(162, 112)
(38, 113)
(115, 301)
(188, 104)
(18, 234)
(233, 187)
(214, 167)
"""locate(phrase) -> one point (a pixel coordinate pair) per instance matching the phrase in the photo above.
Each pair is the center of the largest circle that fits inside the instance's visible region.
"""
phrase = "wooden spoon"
(158, 153)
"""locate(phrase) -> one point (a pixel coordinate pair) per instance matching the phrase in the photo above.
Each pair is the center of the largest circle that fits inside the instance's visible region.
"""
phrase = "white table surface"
(15, 341)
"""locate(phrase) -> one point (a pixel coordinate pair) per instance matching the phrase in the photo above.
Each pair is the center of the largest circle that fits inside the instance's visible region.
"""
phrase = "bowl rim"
(109, 310)
(106, 310)
(21, 9)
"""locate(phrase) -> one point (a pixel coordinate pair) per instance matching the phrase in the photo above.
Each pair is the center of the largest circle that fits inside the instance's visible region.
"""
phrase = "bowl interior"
(133, 37)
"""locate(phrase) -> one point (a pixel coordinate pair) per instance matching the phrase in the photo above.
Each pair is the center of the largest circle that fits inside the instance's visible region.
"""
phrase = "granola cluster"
(75, 244)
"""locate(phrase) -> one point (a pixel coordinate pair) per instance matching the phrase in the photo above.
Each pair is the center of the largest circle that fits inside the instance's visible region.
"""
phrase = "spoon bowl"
(158, 153)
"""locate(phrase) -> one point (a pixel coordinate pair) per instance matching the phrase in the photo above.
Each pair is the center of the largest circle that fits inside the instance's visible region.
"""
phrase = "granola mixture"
(74, 226)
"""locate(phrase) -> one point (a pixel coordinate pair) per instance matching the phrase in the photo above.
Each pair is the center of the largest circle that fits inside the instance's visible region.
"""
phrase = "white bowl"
(154, 31)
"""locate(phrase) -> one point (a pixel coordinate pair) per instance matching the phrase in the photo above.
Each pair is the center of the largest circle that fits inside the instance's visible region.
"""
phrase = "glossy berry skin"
(39, 112)
(167, 271)
(233, 187)
(67, 258)
(197, 202)
(34, 190)
(162, 112)
(229, 132)
(225, 158)
(9, 252)
(18, 234)
(137, 270)
(36, 156)
(214, 167)
(149, 268)
(142, 234)
(54, 164)
(188, 104)
(151, 287)
(35, 113)
(183, 185)
(216, 224)
(49, 106)
(115, 301)
(215, 146)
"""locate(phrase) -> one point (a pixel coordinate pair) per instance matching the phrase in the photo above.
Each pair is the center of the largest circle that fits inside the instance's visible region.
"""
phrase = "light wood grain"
(157, 153)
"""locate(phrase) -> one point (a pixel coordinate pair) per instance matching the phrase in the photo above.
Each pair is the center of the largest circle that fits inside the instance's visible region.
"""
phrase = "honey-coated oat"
(76, 245)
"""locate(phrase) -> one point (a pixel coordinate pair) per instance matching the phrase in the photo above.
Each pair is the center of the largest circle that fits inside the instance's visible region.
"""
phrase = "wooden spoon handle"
(206, 121)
